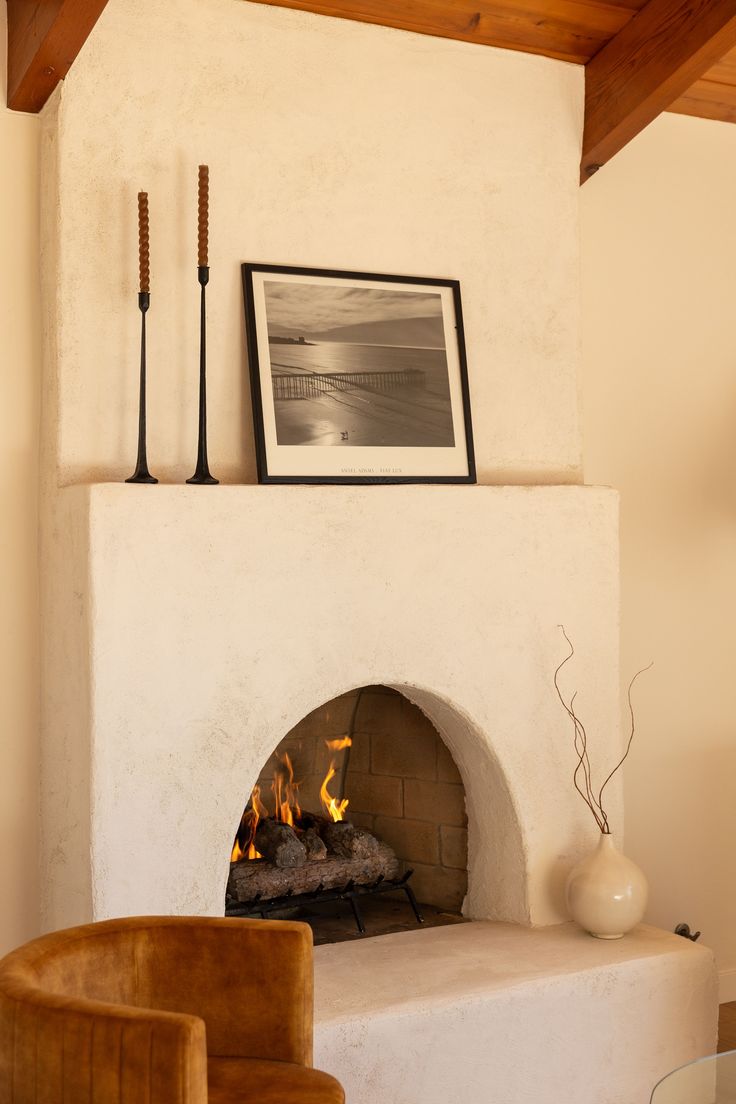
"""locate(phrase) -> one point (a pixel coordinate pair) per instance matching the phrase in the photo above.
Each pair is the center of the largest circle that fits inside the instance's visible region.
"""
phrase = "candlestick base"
(203, 479)
(142, 477)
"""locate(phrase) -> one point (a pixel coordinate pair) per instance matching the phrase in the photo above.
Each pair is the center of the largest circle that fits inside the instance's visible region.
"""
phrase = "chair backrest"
(110, 1010)
(251, 981)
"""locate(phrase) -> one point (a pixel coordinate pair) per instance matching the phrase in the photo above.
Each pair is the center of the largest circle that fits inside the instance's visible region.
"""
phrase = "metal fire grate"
(350, 892)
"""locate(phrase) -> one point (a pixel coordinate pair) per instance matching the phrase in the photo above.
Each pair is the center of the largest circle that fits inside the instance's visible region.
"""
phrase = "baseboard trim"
(726, 986)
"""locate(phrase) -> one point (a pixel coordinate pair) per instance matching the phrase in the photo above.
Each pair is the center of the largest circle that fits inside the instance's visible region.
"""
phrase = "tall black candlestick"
(141, 473)
(202, 472)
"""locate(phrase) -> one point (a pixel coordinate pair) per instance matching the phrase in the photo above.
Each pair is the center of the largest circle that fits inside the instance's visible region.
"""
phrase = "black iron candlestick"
(141, 473)
(202, 473)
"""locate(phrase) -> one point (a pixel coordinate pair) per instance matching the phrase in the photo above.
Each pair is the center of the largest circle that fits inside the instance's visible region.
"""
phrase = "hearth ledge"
(511, 1014)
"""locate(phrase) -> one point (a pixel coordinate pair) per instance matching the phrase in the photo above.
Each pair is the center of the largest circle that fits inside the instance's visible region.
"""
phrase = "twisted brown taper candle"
(203, 212)
(143, 256)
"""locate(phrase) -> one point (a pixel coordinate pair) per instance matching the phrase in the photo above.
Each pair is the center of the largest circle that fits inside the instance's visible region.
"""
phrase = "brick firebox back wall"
(401, 783)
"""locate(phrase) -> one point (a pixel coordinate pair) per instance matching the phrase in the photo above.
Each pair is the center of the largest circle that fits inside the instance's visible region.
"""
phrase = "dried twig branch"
(625, 755)
(581, 747)
(580, 743)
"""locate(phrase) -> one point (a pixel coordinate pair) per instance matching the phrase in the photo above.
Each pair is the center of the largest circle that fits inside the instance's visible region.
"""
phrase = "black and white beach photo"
(359, 371)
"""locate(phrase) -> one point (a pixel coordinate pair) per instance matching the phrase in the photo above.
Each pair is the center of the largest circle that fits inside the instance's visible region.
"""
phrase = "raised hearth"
(512, 1015)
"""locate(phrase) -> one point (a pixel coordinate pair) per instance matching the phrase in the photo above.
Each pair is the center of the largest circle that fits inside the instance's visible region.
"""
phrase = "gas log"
(250, 877)
(341, 837)
(349, 842)
(315, 846)
(316, 853)
(279, 844)
(312, 838)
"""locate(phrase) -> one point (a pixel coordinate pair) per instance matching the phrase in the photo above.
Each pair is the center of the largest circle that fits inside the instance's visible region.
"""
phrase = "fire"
(286, 803)
(244, 847)
(333, 807)
(336, 809)
(284, 790)
(339, 745)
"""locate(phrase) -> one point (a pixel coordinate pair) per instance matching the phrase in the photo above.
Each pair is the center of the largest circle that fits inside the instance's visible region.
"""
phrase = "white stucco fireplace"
(214, 620)
(186, 630)
(193, 627)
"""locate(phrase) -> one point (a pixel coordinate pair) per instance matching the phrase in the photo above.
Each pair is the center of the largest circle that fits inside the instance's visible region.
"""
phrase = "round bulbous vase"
(606, 893)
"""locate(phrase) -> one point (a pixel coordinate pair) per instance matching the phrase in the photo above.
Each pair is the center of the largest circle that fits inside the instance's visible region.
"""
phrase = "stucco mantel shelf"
(437, 497)
(380, 524)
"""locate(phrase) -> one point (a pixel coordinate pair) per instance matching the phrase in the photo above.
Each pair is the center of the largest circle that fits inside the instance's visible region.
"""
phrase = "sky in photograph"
(316, 308)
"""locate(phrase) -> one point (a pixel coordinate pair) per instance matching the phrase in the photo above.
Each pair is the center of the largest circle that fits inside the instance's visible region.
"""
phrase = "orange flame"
(333, 807)
(340, 744)
(286, 804)
(284, 790)
(244, 847)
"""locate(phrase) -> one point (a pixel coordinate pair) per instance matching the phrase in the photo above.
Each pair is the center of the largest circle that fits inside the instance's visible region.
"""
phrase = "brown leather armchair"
(162, 1010)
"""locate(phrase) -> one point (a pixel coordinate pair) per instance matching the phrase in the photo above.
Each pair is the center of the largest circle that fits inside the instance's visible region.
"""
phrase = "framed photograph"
(357, 378)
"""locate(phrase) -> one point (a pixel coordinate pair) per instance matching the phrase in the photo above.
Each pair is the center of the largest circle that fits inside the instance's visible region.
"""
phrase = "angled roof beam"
(44, 38)
(653, 60)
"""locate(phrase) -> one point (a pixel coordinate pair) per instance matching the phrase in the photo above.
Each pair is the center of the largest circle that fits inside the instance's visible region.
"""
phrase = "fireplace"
(359, 806)
(187, 630)
(260, 646)
(178, 662)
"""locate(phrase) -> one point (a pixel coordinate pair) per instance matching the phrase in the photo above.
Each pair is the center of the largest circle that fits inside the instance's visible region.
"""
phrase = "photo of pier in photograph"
(358, 366)
(365, 373)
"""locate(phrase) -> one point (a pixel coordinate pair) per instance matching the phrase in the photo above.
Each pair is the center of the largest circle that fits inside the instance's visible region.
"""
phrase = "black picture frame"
(340, 408)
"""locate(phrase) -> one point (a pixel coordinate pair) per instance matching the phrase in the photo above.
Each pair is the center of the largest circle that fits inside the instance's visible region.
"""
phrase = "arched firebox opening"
(359, 818)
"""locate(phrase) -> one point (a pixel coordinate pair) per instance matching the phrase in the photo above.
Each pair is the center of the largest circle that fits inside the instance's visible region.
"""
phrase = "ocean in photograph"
(339, 393)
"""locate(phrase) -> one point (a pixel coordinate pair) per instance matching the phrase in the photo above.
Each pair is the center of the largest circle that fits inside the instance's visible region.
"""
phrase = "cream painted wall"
(331, 144)
(19, 417)
(659, 348)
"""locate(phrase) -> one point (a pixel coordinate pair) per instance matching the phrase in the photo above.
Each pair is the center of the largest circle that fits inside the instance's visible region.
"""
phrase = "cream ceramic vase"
(606, 892)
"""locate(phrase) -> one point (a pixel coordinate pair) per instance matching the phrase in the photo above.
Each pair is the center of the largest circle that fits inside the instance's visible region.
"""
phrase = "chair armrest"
(250, 981)
(54, 1047)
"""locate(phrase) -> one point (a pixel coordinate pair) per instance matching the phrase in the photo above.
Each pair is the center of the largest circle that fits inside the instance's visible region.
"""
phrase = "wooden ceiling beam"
(646, 67)
(44, 38)
(571, 30)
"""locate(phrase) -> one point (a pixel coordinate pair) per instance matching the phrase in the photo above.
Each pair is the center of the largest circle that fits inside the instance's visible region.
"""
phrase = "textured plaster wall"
(330, 144)
(200, 664)
(20, 376)
(659, 287)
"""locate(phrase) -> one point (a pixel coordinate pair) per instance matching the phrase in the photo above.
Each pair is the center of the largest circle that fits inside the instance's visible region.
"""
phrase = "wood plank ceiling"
(641, 56)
